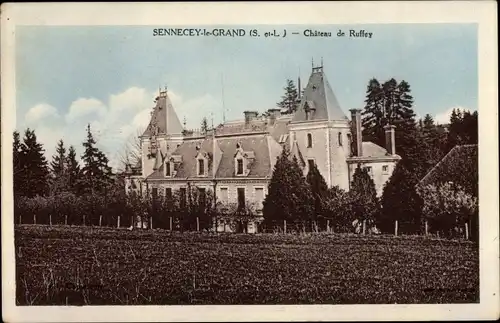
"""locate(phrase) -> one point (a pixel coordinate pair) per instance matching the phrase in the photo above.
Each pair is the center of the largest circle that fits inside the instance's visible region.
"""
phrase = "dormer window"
(239, 166)
(309, 140)
(242, 161)
(201, 167)
(168, 171)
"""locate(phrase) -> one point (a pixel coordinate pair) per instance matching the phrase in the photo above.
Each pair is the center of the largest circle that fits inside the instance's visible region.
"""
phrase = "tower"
(161, 136)
(319, 131)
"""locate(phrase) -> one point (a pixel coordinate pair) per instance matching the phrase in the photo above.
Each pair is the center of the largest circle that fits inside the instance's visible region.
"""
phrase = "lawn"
(79, 265)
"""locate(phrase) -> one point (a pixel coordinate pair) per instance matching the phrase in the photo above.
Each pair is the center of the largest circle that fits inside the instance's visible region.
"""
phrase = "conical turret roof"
(164, 120)
(318, 100)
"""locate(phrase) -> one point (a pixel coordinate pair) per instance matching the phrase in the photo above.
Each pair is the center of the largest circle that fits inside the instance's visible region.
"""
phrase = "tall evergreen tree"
(363, 195)
(373, 114)
(204, 125)
(319, 188)
(35, 166)
(18, 165)
(58, 169)
(289, 195)
(400, 200)
(73, 170)
(290, 100)
(96, 173)
(433, 143)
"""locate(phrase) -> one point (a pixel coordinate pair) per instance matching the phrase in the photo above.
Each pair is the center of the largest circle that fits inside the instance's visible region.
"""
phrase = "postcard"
(249, 161)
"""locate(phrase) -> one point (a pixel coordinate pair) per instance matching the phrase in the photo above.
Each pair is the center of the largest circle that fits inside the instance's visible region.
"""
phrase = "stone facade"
(236, 159)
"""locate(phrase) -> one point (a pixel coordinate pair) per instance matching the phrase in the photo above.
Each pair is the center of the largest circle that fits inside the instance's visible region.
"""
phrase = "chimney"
(357, 144)
(390, 139)
(249, 116)
(273, 115)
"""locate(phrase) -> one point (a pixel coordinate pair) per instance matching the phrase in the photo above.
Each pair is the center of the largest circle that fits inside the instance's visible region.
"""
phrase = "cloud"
(444, 117)
(40, 112)
(83, 107)
(114, 123)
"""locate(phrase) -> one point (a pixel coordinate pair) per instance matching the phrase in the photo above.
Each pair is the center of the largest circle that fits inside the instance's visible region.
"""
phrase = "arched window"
(340, 138)
(309, 140)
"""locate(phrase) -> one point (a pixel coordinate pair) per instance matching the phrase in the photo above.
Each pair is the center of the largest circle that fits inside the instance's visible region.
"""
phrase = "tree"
(290, 100)
(289, 195)
(337, 208)
(35, 166)
(400, 200)
(363, 195)
(58, 169)
(204, 125)
(433, 143)
(448, 206)
(96, 173)
(373, 114)
(131, 151)
(73, 170)
(319, 188)
(18, 165)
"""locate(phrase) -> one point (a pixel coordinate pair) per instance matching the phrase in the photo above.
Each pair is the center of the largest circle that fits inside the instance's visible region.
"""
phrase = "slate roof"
(223, 158)
(164, 120)
(318, 95)
(459, 166)
(371, 149)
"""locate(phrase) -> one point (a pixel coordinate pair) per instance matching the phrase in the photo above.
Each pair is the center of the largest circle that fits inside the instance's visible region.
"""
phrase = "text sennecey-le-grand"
(239, 32)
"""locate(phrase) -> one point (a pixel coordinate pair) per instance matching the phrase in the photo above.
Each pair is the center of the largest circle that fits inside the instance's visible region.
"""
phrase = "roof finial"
(184, 122)
(321, 61)
(312, 63)
(165, 87)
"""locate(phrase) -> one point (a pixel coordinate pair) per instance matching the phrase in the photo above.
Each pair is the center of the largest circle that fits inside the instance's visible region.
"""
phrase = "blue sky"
(67, 77)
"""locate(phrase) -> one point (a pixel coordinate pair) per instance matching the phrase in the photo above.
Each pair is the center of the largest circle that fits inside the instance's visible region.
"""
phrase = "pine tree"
(289, 195)
(400, 200)
(204, 125)
(96, 174)
(432, 142)
(319, 188)
(58, 169)
(373, 114)
(18, 165)
(363, 195)
(35, 166)
(290, 100)
(73, 171)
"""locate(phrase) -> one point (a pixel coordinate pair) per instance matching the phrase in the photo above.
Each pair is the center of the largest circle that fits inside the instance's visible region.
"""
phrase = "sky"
(108, 76)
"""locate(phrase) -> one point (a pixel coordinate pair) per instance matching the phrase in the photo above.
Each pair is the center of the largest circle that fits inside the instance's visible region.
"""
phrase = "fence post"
(50, 219)
(66, 219)
(171, 224)
(34, 218)
(284, 226)
(84, 220)
(100, 220)
(364, 226)
(466, 231)
(396, 228)
(328, 226)
(20, 219)
(118, 222)
(426, 228)
(151, 223)
(197, 224)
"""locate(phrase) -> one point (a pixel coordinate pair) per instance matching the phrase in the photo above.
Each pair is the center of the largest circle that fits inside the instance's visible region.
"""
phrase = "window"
(202, 199)
(309, 140)
(385, 169)
(168, 193)
(340, 138)
(259, 196)
(201, 167)
(155, 193)
(167, 169)
(183, 197)
(223, 194)
(241, 198)
(310, 162)
(369, 169)
(239, 168)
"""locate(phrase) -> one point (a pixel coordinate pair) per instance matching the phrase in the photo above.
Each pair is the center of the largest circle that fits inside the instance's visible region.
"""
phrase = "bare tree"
(131, 152)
